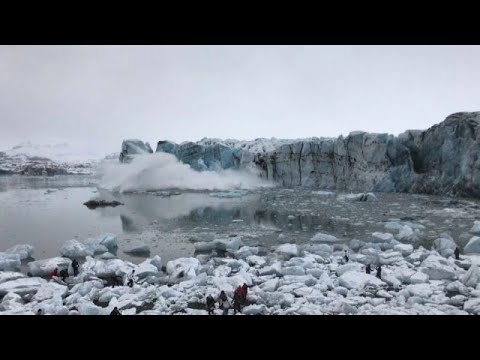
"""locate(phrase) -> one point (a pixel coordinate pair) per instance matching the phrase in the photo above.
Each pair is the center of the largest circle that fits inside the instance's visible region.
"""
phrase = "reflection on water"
(45, 212)
(128, 225)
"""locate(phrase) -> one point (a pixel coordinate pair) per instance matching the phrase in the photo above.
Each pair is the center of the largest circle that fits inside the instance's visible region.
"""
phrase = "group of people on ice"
(63, 274)
(239, 300)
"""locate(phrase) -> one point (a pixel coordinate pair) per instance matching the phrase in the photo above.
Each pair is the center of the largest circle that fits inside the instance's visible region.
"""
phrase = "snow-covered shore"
(292, 279)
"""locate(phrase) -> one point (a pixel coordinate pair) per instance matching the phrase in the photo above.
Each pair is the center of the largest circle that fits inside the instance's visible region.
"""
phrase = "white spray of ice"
(164, 171)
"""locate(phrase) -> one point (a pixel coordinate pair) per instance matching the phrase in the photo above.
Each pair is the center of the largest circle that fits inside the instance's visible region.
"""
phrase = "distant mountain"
(46, 160)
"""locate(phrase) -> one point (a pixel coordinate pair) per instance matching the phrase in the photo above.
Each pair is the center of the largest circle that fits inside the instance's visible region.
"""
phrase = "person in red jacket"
(237, 299)
(54, 273)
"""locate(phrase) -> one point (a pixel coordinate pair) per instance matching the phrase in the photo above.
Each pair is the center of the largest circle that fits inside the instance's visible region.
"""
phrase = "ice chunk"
(187, 266)
(404, 249)
(323, 193)
(379, 237)
(75, 249)
(254, 310)
(358, 280)
(314, 272)
(270, 285)
(418, 255)
(230, 245)
(345, 308)
(274, 269)
(246, 251)
(157, 262)
(341, 290)
(87, 288)
(222, 270)
(293, 270)
(391, 280)
(145, 269)
(476, 227)
(50, 290)
(98, 244)
(45, 267)
(445, 246)
(348, 267)
(11, 301)
(406, 233)
(389, 257)
(106, 268)
(438, 268)
(87, 308)
(283, 239)
(204, 246)
(324, 250)
(418, 278)
(472, 277)
(9, 276)
(137, 248)
(356, 244)
(404, 274)
(321, 237)
(256, 260)
(472, 306)
(22, 286)
(473, 246)
(358, 197)
(457, 286)
(9, 261)
(384, 294)
(25, 251)
(100, 249)
(287, 250)
(393, 226)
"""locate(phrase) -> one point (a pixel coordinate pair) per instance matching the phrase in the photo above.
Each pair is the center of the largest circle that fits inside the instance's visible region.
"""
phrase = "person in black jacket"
(368, 269)
(115, 311)
(210, 304)
(75, 266)
(63, 274)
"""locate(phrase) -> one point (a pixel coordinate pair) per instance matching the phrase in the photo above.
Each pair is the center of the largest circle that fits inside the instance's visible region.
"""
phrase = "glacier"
(440, 160)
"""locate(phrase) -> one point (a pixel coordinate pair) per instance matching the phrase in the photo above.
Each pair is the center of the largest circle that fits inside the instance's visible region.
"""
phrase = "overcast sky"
(99, 95)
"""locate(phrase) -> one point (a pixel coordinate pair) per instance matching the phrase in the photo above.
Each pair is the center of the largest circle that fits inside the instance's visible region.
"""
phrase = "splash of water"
(161, 171)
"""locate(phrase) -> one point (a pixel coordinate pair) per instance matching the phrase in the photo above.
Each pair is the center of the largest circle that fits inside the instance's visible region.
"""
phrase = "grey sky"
(102, 94)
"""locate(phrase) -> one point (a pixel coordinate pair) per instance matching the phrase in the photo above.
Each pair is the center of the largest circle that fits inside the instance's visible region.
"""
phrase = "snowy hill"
(46, 160)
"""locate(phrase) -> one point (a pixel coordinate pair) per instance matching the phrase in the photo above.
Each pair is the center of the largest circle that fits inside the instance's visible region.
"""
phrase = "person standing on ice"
(379, 272)
(368, 269)
(222, 299)
(237, 299)
(63, 274)
(210, 304)
(345, 257)
(75, 266)
(226, 305)
(115, 311)
(457, 253)
(131, 278)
